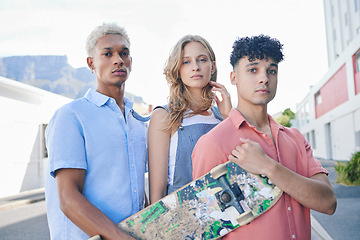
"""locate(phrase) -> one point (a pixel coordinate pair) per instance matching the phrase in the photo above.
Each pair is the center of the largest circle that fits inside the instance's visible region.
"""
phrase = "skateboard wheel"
(245, 218)
(97, 237)
(218, 171)
(225, 197)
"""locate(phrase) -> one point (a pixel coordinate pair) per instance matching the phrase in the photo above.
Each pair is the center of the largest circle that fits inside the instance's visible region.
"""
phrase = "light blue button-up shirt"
(91, 133)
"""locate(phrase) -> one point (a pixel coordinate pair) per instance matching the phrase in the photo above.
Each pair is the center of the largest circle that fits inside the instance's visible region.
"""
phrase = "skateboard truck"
(231, 195)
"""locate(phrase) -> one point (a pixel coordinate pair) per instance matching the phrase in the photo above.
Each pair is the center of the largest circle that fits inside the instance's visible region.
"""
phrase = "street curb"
(37, 195)
(23, 198)
(319, 230)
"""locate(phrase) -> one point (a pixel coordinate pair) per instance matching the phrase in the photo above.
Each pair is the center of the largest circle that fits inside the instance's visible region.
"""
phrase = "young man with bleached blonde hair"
(97, 148)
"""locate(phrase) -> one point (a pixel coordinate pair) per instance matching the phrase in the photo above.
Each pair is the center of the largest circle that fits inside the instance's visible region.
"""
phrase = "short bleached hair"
(101, 31)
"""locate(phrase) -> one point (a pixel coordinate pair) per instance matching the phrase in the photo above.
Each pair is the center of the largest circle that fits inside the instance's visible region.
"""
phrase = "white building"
(329, 116)
(25, 112)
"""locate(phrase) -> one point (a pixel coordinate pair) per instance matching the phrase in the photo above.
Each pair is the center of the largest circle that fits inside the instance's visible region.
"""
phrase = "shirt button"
(135, 191)
(264, 135)
(132, 165)
(293, 236)
(289, 208)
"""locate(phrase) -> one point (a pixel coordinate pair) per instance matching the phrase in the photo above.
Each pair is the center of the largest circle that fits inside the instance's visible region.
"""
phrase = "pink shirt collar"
(238, 119)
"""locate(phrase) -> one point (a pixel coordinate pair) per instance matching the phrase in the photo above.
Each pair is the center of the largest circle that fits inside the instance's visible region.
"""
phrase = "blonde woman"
(175, 128)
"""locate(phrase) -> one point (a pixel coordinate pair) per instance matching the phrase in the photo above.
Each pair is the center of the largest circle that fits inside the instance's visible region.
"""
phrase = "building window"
(346, 19)
(302, 112)
(318, 99)
(357, 61)
(308, 137)
(313, 142)
(357, 140)
(356, 65)
(307, 112)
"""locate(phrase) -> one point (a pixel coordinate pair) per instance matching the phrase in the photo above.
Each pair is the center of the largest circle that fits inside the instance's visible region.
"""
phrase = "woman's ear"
(213, 67)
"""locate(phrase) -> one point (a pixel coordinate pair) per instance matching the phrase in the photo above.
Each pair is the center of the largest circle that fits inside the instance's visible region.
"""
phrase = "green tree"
(289, 113)
(349, 173)
(285, 118)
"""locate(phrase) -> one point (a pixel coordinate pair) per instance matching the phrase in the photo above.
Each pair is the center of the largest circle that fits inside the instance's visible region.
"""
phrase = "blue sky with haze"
(53, 27)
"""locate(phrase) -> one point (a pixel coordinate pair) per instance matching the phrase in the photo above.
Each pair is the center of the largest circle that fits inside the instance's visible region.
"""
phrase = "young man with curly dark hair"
(252, 139)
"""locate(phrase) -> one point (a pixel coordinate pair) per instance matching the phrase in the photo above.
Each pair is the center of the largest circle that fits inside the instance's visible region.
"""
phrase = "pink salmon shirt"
(287, 219)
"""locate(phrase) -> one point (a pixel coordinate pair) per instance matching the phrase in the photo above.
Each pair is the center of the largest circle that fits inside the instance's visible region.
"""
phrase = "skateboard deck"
(209, 207)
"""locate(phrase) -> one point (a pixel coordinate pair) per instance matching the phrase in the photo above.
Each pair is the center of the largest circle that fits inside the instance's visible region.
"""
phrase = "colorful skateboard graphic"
(207, 208)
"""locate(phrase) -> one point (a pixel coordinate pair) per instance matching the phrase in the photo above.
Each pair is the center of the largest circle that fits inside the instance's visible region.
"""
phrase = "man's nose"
(264, 77)
(118, 59)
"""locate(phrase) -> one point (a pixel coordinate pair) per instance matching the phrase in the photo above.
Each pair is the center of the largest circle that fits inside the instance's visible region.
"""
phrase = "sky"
(60, 27)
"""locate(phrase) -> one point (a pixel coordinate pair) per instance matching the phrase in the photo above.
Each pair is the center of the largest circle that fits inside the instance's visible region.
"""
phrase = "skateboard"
(209, 207)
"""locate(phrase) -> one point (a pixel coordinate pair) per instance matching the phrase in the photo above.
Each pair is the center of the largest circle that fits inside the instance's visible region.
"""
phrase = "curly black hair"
(256, 47)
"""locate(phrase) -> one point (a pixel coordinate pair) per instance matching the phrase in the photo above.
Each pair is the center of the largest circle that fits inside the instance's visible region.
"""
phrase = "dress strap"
(163, 106)
(217, 113)
(215, 110)
(139, 117)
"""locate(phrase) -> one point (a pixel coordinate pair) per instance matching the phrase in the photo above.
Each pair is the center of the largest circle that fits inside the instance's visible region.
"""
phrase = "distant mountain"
(51, 73)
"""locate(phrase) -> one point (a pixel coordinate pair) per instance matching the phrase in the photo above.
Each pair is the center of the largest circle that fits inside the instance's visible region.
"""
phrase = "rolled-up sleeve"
(65, 142)
(314, 164)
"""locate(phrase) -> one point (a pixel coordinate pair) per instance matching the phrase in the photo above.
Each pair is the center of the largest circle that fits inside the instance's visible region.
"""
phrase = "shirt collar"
(100, 99)
(275, 125)
(238, 119)
(97, 98)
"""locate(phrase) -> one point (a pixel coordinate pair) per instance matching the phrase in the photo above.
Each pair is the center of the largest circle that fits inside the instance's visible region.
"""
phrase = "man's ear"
(90, 62)
(233, 77)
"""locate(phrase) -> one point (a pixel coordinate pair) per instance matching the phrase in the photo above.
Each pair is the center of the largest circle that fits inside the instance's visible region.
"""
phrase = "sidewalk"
(343, 225)
(23, 198)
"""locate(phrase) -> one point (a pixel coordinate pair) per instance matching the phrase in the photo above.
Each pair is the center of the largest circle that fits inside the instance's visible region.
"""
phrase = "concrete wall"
(337, 129)
(25, 111)
(342, 22)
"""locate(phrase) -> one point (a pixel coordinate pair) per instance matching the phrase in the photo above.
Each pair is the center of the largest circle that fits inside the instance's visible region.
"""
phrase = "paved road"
(29, 221)
(24, 222)
(345, 223)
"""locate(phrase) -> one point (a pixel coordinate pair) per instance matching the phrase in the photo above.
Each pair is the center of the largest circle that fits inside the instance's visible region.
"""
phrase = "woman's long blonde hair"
(180, 97)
